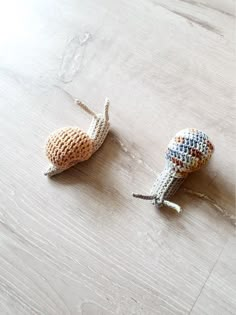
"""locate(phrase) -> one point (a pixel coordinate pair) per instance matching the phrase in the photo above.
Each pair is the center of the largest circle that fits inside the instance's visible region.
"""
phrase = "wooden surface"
(79, 243)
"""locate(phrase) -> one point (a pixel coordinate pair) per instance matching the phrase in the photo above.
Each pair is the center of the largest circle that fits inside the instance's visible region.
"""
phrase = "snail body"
(68, 146)
(187, 152)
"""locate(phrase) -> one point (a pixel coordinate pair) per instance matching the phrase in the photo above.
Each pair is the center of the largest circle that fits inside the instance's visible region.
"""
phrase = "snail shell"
(67, 146)
(188, 151)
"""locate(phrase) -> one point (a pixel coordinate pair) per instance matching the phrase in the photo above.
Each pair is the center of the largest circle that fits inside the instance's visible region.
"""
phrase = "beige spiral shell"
(67, 146)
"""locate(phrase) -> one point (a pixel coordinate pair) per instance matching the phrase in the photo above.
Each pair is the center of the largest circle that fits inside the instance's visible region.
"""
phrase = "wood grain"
(218, 294)
(79, 243)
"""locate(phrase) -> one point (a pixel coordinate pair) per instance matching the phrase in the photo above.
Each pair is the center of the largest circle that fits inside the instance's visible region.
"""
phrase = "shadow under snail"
(187, 152)
(68, 146)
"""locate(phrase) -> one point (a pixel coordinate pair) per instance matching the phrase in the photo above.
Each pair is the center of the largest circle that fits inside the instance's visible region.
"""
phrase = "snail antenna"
(85, 108)
(106, 109)
(166, 203)
(144, 197)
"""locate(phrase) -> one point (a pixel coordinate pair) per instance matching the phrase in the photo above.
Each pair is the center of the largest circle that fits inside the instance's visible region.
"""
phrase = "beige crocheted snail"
(68, 146)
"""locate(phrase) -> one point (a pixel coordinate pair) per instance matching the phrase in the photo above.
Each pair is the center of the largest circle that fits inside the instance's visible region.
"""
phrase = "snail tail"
(172, 205)
(52, 170)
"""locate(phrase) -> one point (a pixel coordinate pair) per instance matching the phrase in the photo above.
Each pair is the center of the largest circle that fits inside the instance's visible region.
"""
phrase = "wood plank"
(218, 295)
(79, 243)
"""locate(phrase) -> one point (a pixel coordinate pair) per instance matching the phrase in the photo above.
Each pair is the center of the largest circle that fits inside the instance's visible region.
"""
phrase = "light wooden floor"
(79, 243)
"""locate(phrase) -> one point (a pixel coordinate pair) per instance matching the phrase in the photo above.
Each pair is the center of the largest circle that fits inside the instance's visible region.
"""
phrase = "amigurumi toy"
(187, 152)
(68, 146)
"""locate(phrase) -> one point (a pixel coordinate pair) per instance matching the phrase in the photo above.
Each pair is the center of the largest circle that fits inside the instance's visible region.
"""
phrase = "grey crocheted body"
(165, 186)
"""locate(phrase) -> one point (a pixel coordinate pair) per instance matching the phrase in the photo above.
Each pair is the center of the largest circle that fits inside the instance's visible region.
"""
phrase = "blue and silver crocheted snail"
(187, 152)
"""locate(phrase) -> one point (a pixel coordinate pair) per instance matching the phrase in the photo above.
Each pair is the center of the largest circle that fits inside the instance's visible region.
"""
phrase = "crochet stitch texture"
(68, 146)
(187, 152)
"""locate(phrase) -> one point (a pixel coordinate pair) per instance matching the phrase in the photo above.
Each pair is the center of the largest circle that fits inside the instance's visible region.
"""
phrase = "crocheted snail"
(187, 152)
(68, 146)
